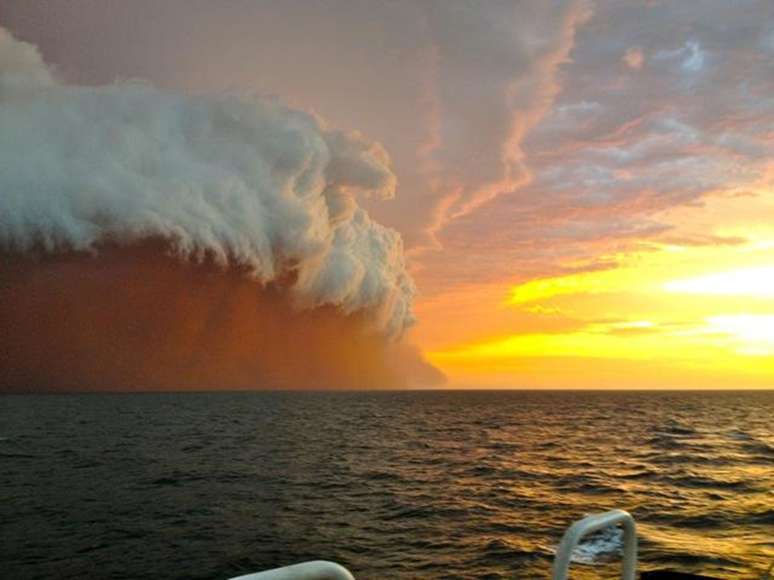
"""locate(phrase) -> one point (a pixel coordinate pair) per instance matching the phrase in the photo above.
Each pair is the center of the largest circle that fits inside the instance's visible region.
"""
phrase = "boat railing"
(590, 524)
(315, 570)
(324, 570)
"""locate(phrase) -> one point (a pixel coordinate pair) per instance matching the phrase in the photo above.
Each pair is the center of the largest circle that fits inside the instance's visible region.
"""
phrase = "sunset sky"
(585, 190)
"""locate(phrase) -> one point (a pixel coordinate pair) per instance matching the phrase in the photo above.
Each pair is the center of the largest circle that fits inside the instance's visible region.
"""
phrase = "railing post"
(589, 525)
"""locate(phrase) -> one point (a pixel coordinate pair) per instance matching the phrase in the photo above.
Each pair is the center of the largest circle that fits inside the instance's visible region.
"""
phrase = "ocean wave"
(603, 545)
(264, 479)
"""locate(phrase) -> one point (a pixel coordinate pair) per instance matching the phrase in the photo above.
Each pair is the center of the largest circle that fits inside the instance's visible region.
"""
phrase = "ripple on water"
(411, 485)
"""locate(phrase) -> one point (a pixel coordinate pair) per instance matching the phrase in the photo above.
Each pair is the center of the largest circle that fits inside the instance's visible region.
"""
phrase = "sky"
(584, 189)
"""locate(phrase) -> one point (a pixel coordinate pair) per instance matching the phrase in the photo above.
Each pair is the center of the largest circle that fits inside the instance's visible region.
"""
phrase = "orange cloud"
(138, 318)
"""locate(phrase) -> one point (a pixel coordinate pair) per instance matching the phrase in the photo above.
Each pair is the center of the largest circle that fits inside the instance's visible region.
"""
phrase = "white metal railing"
(324, 570)
(316, 570)
(589, 525)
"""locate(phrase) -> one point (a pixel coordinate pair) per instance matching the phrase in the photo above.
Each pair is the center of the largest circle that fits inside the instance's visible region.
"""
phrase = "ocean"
(406, 485)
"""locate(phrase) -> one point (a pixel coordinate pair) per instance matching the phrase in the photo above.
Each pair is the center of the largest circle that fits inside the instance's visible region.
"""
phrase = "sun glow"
(692, 307)
(659, 318)
(755, 333)
(756, 282)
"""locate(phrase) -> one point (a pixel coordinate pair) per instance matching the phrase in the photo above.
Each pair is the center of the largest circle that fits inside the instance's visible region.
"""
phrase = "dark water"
(393, 485)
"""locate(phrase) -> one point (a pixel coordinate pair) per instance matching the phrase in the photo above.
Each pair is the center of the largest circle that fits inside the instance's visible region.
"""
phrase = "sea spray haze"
(152, 239)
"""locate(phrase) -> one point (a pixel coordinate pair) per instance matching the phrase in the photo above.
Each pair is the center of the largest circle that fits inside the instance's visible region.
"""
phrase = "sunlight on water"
(393, 484)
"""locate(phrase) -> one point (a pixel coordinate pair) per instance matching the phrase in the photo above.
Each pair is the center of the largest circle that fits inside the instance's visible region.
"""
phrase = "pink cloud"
(634, 58)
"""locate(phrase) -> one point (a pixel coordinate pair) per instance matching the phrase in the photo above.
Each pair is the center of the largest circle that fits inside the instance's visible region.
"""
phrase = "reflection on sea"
(393, 485)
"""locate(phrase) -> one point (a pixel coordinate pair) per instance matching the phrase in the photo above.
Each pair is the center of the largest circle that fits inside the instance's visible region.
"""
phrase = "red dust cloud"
(140, 318)
(156, 240)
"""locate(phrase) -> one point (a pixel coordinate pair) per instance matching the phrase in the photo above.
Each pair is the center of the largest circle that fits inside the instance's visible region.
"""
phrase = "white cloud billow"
(246, 181)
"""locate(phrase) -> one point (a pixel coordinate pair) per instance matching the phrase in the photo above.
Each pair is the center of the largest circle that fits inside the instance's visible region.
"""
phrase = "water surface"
(391, 484)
